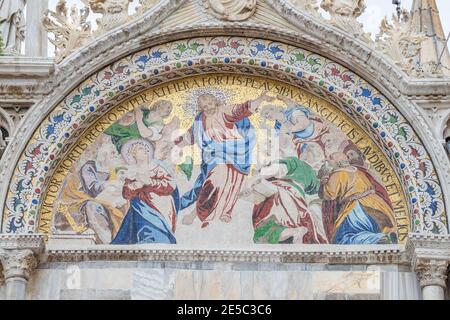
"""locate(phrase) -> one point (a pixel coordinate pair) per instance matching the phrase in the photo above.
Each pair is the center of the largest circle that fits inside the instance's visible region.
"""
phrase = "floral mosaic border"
(153, 66)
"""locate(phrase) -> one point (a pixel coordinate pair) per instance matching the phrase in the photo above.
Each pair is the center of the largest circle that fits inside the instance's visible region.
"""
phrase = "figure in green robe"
(142, 123)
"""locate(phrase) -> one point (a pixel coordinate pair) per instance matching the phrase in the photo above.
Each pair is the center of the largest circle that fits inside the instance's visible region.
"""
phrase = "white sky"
(376, 10)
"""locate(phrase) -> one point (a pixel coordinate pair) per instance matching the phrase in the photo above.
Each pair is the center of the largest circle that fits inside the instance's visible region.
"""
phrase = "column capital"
(19, 255)
(432, 272)
(430, 258)
(18, 263)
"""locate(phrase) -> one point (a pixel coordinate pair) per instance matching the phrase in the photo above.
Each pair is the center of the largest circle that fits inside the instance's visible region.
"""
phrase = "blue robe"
(238, 153)
(359, 228)
(304, 134)
(144, 224)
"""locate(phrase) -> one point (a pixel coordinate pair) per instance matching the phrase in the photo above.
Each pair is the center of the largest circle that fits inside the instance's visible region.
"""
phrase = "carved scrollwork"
(232, 10)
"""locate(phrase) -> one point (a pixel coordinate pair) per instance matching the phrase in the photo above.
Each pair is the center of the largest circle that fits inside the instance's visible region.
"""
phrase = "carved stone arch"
(32, 156)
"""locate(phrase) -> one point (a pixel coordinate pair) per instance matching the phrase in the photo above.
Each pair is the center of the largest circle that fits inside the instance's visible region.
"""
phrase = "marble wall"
(202, 280)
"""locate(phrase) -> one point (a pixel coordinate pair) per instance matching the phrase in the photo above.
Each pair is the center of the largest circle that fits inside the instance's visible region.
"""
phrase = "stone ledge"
(34, 242)
(301, 254)
(427, 247)
(26, 66)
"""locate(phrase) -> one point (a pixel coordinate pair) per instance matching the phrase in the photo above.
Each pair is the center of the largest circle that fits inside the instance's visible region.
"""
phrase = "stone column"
(430, 259)
(36, 41)
(432, 275)
(17, 268)
(19, 255)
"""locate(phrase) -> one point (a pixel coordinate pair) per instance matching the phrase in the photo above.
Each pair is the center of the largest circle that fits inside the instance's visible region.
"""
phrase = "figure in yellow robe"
(78, 210)
(356, 208)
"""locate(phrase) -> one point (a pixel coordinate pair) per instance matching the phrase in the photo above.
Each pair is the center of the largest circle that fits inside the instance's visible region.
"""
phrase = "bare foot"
(189, 219)
(225, 218)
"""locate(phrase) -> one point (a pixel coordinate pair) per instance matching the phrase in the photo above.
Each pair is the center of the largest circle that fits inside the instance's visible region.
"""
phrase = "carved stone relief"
(12, 25)
(309, 6)
(232, 10)
(343, 14)
(114, 13)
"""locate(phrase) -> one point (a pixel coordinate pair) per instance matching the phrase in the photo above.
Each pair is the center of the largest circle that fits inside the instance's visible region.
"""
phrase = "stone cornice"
(33, 242)
(428, 251)
(30, 67)
(21, 79)
(303, 254)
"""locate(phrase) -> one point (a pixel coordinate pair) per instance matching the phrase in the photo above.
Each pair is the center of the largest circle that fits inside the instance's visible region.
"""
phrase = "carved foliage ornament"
(400, 40)
(432, 272)
(70, 30)
(231, 10)
(18, 263)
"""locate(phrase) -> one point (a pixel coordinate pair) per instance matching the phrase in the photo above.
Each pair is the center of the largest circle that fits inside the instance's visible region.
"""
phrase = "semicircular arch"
(126, 77)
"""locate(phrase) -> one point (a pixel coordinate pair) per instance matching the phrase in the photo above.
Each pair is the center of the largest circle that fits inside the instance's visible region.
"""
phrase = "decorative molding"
(28, 84)
(26, 66)
(114, 13)
(428, 246)
(304, 254)
(33, 242)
